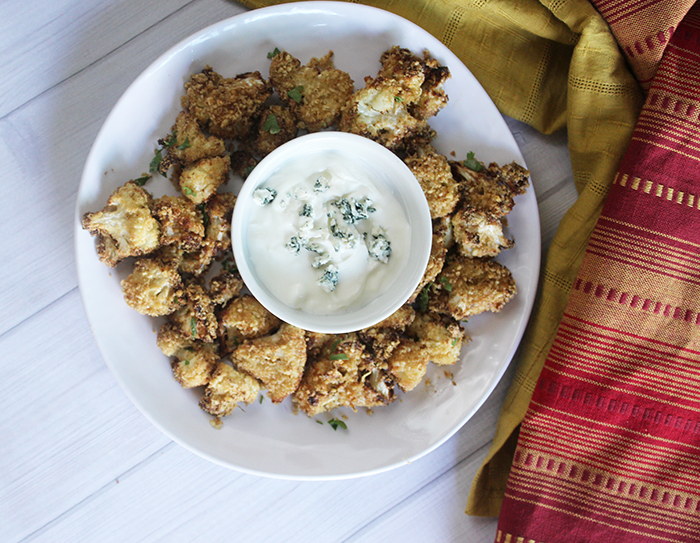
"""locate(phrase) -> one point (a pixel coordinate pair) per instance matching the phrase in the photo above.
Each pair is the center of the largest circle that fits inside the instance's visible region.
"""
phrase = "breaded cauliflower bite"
(181, 222)
(199, 180)
(469, 286)
(196, 318)
(277, 361)
(276, 126)
(224, 286)
(226, 387)
(340, 375)
(408, 364)
(441, 337)
(438, 251)
(226, 107)
(190, 143)
(315, 93)
(433, 172)
(193, 365)
(479, 234)
(244, 318)
(153, 288)
(382, 338)
(125, 226)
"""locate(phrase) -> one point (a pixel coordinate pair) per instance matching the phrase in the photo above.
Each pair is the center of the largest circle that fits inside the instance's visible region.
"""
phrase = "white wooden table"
(78, 462)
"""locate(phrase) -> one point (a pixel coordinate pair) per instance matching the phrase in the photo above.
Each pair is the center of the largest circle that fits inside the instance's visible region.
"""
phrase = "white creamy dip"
(326, 234)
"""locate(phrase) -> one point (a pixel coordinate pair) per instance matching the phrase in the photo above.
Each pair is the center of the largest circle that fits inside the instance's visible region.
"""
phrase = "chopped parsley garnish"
(187, 362)
(185, 144)
(335, 345)
(339, 356)
(446, 284)
(270, 125)
(295, 93)
(319, 422)
(337, 423)
(472, 163)
(454, 341)
(155, 163)
(261, 399)
(274, 53)
(193, 326)
(170, 140)
(423, 298)
(141, 181)
(398, 99)
(189, 191)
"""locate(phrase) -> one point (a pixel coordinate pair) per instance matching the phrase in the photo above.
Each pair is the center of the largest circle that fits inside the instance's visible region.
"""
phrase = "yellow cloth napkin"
(551, 64)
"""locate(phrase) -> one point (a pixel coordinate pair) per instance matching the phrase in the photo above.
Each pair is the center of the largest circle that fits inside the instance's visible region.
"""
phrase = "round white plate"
(268, 439)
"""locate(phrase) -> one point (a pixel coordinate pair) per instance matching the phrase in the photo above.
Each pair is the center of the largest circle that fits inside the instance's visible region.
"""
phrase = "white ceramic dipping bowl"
(385, 169)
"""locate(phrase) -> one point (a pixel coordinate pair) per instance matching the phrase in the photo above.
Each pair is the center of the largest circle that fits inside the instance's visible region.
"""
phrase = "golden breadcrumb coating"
(199, 180)
(153, 288)
(125, 225)
(243, 162)
(438, 252)
(276, 126)
(196, 318)
(193, 365)
(315, 93)
(433, 96)
(191, 144)
(403, 66)
(219, 210)
(441, 337)
(469, 286)
(180, 221)
(408, 363)
(382, 338)
(380, 112)
(170, 339)
(224, 286)
(244, 318)
(433, 172)
(479, 234)
(491, 190)
(341, 375)
(277, 361)
(226, 388)
(226, 107)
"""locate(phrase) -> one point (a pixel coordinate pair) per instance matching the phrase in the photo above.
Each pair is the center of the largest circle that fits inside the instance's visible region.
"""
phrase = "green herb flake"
(336, 423)
(261, 399)
(472, 163)
(423, 298)
(319, 422)
(339, 356)
(454, 341)
(170, 140)
(185, 144)
(295, 93)
(193, 326)
(270, 125)
(187, 362)
(141, 181)
(398, 99)
(446, 284)
(335, 345)
(189, 191)
(274, 53)
(157, 159)
(205, 216)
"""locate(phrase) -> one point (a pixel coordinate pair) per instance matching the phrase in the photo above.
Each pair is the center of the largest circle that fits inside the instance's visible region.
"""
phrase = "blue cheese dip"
(326, 234)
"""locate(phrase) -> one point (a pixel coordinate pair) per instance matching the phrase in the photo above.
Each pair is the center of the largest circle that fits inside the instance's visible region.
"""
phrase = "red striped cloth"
(610, 447)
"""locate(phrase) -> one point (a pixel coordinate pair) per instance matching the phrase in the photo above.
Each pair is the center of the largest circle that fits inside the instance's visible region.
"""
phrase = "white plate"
(265, 439)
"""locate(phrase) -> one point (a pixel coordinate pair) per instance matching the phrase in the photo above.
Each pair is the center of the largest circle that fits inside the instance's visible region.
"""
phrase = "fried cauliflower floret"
(341, 375)
(408, 363)
(226, 387)
(382, 338)
(441, 337)
(433, 96)
(200, 180)
(277, 361)
(275, 127)
(380, 112)
(224, 286)
(479, 234)
(180, 221)
(469, 286)
(433, 172)
(190, 143)
(196, 318)
(153, 288)
(218, 218)
(170, 339)
(315, 93)
(438, 252)
(244, 318)
(243, 162)
(193, 365)
(125, 226)
(491, 190)
(403, 66)
(226, 107)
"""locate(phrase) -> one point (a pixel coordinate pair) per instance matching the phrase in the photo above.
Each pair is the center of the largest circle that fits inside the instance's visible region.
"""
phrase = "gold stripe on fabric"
(666, 147)
(577, 494)
(659, 234)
